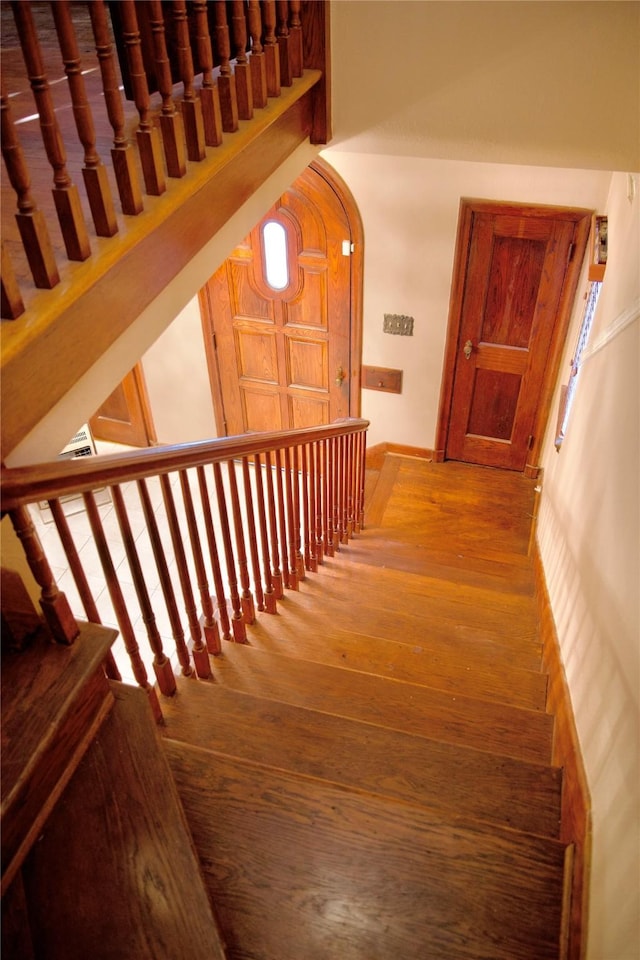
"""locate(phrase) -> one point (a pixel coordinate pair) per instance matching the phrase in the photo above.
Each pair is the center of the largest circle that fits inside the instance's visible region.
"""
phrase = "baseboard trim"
(377, 453)
(575, 827)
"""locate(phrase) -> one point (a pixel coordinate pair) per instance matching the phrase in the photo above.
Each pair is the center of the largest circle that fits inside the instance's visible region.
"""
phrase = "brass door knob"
(468, 349)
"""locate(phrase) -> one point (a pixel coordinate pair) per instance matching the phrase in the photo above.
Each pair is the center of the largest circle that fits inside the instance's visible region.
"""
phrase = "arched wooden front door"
(282, 316)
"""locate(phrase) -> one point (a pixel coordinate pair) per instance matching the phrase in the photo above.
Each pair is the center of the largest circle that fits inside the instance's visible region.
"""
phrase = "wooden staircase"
(369, 776)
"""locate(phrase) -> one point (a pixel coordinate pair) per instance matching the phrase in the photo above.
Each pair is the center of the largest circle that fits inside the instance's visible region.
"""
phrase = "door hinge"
(570, 252)
(530, 442)
(347, 248)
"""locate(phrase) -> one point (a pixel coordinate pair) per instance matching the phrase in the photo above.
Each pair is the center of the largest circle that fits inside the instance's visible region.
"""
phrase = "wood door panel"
(510, 297)
(257, 356)
(307, 412)
(125, 416)
(261, 409)
(307, 364)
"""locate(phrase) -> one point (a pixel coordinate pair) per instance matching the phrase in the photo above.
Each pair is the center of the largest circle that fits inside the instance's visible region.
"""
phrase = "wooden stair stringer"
(404, 766)
(296, 864)
(115, 873)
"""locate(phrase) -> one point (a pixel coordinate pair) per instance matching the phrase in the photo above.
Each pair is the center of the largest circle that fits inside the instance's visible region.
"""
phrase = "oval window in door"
(274, 239)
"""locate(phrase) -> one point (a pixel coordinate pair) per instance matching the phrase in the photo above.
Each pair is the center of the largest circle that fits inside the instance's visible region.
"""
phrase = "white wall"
(589, 536)
(409, 208)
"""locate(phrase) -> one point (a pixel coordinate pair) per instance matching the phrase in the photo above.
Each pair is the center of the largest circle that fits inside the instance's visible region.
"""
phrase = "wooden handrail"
(60, 478)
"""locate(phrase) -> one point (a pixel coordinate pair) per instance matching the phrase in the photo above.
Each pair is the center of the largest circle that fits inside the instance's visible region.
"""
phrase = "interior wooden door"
(278, 334)
(125, 416)
(512, 293)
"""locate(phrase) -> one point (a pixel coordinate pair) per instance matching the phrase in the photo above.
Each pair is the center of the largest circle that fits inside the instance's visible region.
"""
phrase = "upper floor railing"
(132, 95)
(179, 546)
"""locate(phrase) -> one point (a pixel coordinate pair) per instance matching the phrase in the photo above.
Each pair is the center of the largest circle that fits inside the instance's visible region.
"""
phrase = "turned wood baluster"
(122, 155)
(30, 220)
(271, 51)
(11, 302)
(146, 134)
(282, 525)
(253, 540)
(209, 625)
(349, 471)
(318, 522)
(166, 583)
(341, 480)
(291, 524)
(226, 79)
(309, 488)
(237, 623)
(209, 93)
(269, 592)
(295, 38)
(282, 33)
(304, 494)
(276, 573)
(295, 480)
(161, 664)
(191, 104)
(361, 455)
(80, 579)
(242, 72)
(53, 602)
(223, 613)
(198, 649)
(65, 193)
(94, 172)
(246, 598)
(171, 125)
(119, 605)
(329, 527)
(257, 60)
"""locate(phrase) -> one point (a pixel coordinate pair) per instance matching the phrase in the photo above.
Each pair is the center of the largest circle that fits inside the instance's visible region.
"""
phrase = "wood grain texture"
(300, 868)
(127, 884)
(395, 704)
(54, 698)
(455, 781)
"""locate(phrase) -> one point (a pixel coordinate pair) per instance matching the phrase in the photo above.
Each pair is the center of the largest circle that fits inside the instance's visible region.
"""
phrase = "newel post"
(54, 604)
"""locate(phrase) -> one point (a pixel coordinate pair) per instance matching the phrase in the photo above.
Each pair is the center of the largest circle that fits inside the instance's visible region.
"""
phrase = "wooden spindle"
(282, 522)
(122, 155)
(270, 601)
(146, 134)
(309, 494)
(349, 499)
(198, 647)
(253, 539)
(166, 583)
(246, 598)
(223, 614)
(65, 193)
(80, 579)
(295, 38)
(161, 664)
(330, 535)
(276, 572)
(119, 605)
(291, 526)
(94, 172)
(54, 604)
(191, 103)
(209, 625)
(30, 220)
(226, 79)
(295, 481)
(237, 623)
(209, 93)
(362, 477)
(318, 448)
(257, 60)
(171, 125)
(340, 486)
(12, 304)
(282, 33)
(244, 89)
(271, 51)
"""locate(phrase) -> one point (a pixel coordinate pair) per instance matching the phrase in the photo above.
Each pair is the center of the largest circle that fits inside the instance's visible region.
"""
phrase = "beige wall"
(589, 532)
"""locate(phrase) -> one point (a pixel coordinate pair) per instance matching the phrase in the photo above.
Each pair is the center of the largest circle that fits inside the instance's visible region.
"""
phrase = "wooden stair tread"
(483, 725)
(437, 601)
(301, 868)
(450, 778)
(54, 698)
(115, 873)
(303, 633)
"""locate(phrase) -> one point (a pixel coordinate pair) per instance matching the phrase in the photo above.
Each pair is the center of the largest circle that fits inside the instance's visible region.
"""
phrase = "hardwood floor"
(370, 776)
